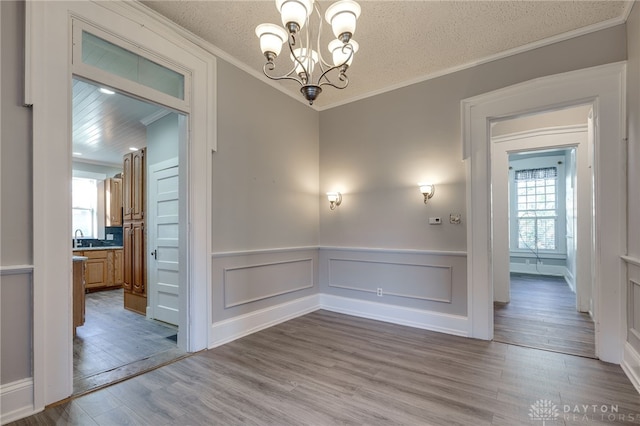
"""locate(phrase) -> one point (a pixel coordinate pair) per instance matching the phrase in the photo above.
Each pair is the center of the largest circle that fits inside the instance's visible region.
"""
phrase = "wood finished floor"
(326, 368)
(542, 314)
(115, 343)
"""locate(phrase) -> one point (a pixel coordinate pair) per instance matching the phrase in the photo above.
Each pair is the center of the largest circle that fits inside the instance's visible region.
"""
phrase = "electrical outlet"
(109, 237)
(455, 218)
(379, 292)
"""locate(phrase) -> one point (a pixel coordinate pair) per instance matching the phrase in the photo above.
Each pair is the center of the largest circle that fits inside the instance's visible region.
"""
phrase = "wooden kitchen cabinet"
(104, 268)
(118, 267)
(97, 269)
(133, 185)
(135, 295)
(79, 266)
(133, 232)
(113, 201)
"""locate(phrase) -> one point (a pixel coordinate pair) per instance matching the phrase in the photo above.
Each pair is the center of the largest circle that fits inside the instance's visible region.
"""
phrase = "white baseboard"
(234, 328)
(631, 365)
(522, 268)
(418, 318)
(16, 400)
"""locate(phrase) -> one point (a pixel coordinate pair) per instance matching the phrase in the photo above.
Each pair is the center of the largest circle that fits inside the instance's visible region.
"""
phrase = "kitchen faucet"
(76, 241)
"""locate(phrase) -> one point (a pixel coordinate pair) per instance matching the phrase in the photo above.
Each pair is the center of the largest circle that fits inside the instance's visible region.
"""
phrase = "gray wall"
(163, 139)
(265, 196)
(633, 199)
(15, 203)
(109, 171)
(376, 150)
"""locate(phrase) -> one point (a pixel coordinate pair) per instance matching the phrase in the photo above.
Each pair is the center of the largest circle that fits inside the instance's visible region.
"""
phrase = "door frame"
(563, 137)
(605, 87)
(48, 79)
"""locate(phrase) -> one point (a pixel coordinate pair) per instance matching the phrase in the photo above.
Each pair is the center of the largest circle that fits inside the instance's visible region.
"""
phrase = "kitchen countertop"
(98, 248)
(79, 258)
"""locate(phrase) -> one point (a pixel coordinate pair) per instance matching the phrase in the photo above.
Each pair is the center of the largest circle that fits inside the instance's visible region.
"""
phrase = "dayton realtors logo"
(545, 411)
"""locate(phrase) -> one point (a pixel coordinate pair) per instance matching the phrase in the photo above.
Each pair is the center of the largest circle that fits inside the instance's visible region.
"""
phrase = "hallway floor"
(542, 314)
(115, 343)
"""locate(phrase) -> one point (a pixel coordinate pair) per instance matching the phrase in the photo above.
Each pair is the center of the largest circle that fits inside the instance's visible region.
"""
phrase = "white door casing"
(48, 89)
(604, 87)
(163, 257)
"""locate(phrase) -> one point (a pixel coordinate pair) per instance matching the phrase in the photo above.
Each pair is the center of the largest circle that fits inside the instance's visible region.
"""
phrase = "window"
(537, 208)
(84, 207)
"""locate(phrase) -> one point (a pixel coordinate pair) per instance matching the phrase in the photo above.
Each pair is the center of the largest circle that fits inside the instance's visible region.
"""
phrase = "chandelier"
(305, 57)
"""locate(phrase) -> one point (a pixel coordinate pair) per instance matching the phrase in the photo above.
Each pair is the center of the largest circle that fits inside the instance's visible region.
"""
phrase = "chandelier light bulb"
(342, 17)
(294, 12)
(343, 52)
(272, 37)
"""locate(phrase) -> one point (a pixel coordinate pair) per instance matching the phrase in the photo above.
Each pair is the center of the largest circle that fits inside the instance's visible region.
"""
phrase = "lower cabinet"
(104, 268)
(135, 291)
(79, 267)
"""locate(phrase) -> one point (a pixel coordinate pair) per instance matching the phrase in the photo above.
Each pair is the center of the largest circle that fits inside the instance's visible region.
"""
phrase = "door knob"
(155, 254)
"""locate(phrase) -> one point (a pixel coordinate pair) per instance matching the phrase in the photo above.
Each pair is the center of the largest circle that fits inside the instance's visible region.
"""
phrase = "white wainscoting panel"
(16, 397)
(631, 356)
(417, 281)
(249, 283)
(16, 400)
(432, 282)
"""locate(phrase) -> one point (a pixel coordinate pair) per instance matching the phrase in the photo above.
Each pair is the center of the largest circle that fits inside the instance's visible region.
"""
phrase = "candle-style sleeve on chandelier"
(306, 59)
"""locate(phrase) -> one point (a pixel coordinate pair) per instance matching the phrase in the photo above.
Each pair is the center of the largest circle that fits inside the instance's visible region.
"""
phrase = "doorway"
(48, 88)
(122, 213)
(541, 201)
(602, 87)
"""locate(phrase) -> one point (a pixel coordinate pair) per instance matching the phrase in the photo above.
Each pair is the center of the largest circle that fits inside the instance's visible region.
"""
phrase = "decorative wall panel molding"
(410, 280)
(250, 283)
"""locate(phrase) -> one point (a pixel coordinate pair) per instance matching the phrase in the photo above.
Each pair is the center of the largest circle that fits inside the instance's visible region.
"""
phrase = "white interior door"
(163, 250)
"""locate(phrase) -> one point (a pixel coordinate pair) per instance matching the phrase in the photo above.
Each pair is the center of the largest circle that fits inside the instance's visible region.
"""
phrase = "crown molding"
(216, 51)
(501, 55)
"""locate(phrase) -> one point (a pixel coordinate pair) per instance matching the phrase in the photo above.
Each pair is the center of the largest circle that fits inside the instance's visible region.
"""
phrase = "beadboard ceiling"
(400, 42)
(106, 126)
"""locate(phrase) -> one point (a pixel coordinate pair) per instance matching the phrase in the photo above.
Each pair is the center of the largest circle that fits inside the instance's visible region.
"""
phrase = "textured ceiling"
(400, 41)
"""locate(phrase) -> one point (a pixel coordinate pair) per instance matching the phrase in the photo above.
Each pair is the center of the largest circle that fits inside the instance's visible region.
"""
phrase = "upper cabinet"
(113, 201)
(133, 181)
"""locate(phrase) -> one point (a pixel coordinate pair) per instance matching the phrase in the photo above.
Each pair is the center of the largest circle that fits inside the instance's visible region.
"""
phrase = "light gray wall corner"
(266, 168)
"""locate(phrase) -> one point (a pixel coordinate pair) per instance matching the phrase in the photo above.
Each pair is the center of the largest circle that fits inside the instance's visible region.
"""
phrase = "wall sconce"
(335, 199)
(427, 190)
